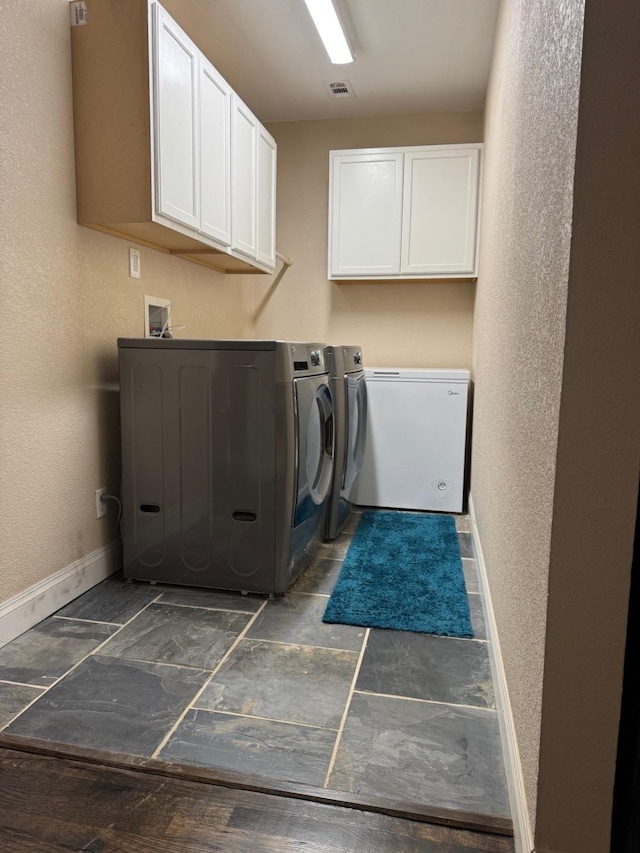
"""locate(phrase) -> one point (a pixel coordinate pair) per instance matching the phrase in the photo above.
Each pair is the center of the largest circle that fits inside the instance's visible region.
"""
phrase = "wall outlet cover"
(101, 506)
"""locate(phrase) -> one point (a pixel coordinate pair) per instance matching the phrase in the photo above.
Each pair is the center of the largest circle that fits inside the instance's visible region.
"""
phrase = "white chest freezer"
(415, 451)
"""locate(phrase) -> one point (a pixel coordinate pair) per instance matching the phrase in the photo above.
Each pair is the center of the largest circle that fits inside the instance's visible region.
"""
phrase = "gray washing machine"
(350, 402)
(227, 458)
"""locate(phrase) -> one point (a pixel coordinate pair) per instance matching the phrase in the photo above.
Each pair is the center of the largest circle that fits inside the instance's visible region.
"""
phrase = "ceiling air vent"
(340, 89)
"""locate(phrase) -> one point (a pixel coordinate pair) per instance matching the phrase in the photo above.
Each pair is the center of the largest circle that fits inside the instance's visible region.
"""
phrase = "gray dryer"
(350, 402)
(227, 458)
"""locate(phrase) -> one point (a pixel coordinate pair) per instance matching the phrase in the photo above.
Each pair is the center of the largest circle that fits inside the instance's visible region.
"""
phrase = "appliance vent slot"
(339, 89)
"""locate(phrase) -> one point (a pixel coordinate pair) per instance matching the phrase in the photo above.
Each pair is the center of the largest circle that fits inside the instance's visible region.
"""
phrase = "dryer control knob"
(315, 358)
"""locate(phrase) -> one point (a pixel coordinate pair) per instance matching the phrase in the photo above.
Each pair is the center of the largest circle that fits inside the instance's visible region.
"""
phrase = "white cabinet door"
(365, 214)
(266, 205)
(244, 141)
(439, 211)
(215, 153)
(175, 121)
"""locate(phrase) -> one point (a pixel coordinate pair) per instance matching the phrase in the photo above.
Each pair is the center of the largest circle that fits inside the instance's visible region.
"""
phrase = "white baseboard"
(523, 836)
(26, 609)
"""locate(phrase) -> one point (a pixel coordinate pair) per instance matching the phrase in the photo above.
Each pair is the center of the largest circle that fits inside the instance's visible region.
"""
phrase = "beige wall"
(530, 142)
(555, 417)
(65, 296)
(425, 324)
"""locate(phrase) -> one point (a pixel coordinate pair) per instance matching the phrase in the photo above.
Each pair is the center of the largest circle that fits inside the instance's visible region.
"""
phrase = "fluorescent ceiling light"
(330, 30)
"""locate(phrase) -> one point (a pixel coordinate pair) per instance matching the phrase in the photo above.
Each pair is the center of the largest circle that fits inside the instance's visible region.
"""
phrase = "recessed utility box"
(157, 317)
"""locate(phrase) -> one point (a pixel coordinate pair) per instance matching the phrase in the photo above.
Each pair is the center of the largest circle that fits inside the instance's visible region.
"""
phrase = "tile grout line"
(317, 594)
(22, 684)
(425, 701)
(305, 645)
(268, 719)
(121, 657)
(202, 607)
(76, 665)
(221, 662)
(343, 721)
(446, 637)
(89, 621)
(303, 592)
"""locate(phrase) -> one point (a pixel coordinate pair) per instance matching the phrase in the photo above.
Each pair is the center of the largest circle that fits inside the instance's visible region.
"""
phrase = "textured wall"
(65, 296)
(598, 455)
(519, 329)
(557, 406)
(402, 324)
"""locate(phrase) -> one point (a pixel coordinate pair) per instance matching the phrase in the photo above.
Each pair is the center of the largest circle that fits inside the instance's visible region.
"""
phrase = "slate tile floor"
(265, 687)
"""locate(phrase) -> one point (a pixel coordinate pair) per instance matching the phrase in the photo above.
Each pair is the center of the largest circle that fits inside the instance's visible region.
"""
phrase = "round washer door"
(320, 443)
(316, 440)
(356, 428)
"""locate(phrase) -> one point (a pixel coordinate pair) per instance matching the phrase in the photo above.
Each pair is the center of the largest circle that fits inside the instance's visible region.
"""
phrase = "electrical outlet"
(101, 506)
(134, 262)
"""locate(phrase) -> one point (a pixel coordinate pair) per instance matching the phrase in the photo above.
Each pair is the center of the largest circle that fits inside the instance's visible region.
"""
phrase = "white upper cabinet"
(215, 162)
(365, 213)
(153, 136)
(404, 212)
(245, 178)
(215, 154)
(266, 205)
(176, 122)
(439, 211)
(254, 186)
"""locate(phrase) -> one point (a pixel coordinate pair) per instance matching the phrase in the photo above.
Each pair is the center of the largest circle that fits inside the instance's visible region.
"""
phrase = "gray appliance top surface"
(212, 343)
(186, 343)
(294, 359)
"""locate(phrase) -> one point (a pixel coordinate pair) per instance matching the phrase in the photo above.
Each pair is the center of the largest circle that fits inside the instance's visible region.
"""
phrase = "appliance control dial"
(316, 360)
(357, 358)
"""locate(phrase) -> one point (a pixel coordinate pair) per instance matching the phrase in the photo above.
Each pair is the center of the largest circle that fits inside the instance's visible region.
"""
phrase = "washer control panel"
(353, 360)
(307, 358)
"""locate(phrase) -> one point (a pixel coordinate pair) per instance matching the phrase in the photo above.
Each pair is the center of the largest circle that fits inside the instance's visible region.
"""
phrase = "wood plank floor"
(50, 804)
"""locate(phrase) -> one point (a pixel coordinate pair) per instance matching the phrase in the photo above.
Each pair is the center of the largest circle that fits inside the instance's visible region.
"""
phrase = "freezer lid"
(416, 374)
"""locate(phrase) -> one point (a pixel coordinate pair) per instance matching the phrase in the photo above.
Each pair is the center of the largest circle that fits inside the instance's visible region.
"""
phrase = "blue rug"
(403, 571)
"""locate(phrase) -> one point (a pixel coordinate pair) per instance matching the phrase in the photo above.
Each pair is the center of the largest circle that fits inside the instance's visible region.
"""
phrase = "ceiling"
(413, 56)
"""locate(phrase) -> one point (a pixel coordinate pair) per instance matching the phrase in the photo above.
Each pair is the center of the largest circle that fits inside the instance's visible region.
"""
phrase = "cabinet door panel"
(266, 198)
(440, 210)
(215, 151)
(175, 121)
(244, 147)
(366, 211)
